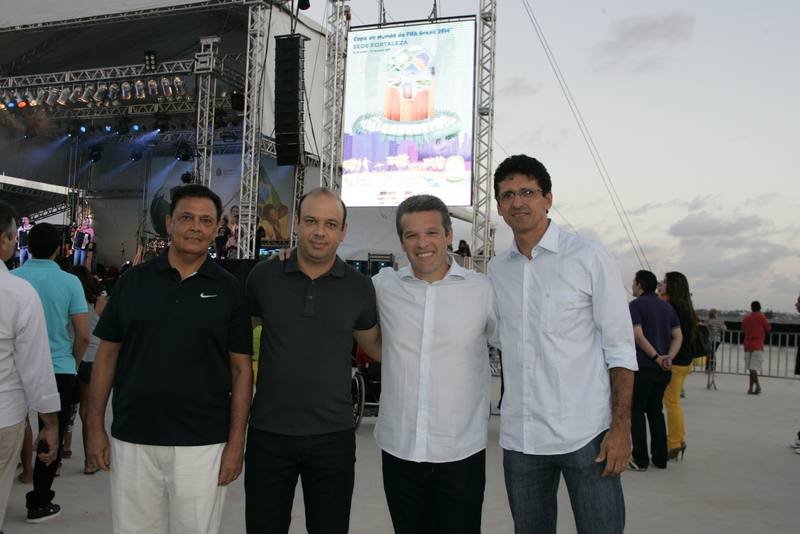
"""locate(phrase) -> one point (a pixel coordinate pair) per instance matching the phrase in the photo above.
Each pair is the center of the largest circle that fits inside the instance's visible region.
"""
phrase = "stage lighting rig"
(95, 153)
(161, 122)
(76, 94)
(136, 127)
(166, 89)
(51, 97)
(125, 89)
(184, 152)
(138, 90)
(63, 98)
(136, 155)
(123, 125)
(100, 94)
(152, 88)
(180, 88)
(187, 177)
(150, 61)
(88, 93)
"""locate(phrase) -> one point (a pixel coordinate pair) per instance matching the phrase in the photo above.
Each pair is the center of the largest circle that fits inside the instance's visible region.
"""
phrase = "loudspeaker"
(289, 105)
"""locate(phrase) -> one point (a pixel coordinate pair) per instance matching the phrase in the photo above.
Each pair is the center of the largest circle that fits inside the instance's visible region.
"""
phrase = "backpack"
(701, 344)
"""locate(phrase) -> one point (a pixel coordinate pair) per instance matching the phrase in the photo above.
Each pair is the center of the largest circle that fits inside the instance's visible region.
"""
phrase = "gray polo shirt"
(303, 385)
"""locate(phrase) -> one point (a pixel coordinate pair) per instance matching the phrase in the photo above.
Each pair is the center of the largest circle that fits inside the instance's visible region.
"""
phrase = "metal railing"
(780, 355)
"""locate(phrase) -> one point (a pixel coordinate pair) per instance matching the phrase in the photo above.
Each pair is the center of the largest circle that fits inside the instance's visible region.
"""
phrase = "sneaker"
(794, 444)
(43, 513)
(634, 467)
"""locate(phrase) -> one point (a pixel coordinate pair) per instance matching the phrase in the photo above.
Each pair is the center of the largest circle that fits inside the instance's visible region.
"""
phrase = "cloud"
(641, 44)
(704, 224)
(520, 87)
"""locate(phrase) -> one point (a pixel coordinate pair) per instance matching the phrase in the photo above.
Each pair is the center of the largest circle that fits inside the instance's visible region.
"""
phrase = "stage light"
(123, 125)
(75, 95)
(95, 153)
(303, 4)
(126, 91)
(72, 130)
(87, 95)
(107, 128)
(166, 88)
(102, 89)
(30, 131)
(63, 97)
(150, 61)
(136, 155)
(184, 152)
(82, 129)
(138, 89)
(187, 177)
(41, 96)
(22, 104)
(152, 88)
(113, 93)
(136, 127)
(180, 87)
(161, 122)
(11, 104)
(51, 97)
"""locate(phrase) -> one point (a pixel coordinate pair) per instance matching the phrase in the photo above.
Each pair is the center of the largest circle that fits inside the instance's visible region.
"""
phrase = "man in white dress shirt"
(26, 370)
(568, 362)
(435, 319)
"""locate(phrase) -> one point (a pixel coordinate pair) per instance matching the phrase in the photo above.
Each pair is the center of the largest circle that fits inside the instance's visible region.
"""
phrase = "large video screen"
(408, 113)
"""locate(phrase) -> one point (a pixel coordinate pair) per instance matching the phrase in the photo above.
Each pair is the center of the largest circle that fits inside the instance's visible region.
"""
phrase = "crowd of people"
(585, 371)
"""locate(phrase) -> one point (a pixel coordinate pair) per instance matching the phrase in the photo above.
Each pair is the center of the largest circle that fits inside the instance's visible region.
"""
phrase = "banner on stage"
(408, 113)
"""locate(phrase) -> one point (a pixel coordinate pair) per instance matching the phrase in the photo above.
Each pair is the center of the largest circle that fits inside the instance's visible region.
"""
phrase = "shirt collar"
(549, 240)
(291, 265)
(44, 264)
(3, 268)
(207, 269)
(455, 271)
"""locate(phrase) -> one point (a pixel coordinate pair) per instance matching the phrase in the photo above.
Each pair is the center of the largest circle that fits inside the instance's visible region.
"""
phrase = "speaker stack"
(289, 105)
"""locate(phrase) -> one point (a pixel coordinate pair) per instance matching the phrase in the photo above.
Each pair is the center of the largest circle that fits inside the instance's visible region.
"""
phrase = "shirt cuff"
(46, 404)
(623, 360)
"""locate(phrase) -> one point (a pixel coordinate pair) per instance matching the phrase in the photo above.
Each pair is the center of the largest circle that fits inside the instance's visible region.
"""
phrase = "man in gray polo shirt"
(311, 306)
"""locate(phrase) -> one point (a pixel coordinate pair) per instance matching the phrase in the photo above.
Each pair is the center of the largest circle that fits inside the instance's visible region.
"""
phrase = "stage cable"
(616, 201)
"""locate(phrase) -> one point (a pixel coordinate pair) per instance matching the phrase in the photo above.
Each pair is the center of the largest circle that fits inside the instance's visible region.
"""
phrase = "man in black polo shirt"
(311, 306)
(657, 333)
(176, 344)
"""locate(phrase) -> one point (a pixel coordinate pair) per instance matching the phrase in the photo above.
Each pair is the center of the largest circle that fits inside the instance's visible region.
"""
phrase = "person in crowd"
(271, 224)
(716, 329)
(64, 305)
(797, 358)
(657, 333)
(463, 249)
(84, 235)
(27, 380)
(311, 306)
(221, 241)
(22, 240)
(96, 302)
(676, 291)
(232, 244)
(568, 361)
(755, 328)
(175, 345)
(435, 392)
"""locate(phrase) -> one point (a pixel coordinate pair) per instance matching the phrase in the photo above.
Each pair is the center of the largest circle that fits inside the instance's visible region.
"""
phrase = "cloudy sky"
(694, 109)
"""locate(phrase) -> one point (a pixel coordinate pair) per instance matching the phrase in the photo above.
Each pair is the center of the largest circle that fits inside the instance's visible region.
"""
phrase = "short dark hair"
(194, 191)
(522, 164)
(325, 191)
(8, 218)
(647, 281)
(417, 203)
(755, 306)
(43, 240)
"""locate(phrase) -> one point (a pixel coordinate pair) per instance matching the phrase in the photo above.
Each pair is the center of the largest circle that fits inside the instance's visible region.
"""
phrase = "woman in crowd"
(676, 292)
(97, 303)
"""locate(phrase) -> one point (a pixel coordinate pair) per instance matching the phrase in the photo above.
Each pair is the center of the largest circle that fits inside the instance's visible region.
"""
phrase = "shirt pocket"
(561, 311)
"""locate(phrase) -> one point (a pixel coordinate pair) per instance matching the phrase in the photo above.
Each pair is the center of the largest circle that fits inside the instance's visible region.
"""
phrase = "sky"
(693, 108)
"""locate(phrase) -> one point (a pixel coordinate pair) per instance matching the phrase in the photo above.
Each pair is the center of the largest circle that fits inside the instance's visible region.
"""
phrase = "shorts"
(85, 372)
(752, 360)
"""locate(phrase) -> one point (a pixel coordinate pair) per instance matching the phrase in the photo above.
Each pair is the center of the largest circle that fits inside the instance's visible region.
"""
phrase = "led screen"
(408, 113)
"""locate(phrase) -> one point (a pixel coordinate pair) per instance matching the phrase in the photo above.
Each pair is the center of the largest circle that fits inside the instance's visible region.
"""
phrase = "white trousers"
(165, 490)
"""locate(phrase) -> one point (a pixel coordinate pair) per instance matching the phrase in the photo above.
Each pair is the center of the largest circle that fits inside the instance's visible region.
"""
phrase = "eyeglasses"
(507, 197)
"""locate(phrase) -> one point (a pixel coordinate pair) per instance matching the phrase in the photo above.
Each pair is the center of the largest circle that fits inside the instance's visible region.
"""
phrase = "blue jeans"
(78, 256)
(532, 484)
(24, 255)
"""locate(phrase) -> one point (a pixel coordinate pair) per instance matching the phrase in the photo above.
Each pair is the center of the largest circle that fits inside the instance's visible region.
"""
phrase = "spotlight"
(51, 97)
(126, 91)
(138, 89)
(95, 153)
(180, 87)
(187, 177)
(107, 128)
(22, 104)
(87, 95)
(63, 98)
(30, 131)
(113, 93)
(76, 93)
(82, 129)
(2, 105)
(152, 88)
(136, 155)
(11, 104)
(136, 127)
(72, 130)
(161, 122)
(150, 61)
(184, 152)
(166, 88)
(102, 89)
(41, 96)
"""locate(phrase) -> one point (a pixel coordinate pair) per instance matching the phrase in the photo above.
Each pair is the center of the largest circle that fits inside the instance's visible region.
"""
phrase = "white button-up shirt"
(26, 369)
(564, 322)
(435, 377)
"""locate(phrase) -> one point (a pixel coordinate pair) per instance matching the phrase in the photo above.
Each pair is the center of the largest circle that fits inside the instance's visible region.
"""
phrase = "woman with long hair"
(97, 303)
(676, 292)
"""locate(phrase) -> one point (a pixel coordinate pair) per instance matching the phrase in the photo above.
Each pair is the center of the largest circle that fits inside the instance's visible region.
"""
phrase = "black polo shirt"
(303, 385)
(173, 378)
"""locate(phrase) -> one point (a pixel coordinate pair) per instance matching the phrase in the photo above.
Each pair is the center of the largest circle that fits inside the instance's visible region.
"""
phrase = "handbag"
(701, 344)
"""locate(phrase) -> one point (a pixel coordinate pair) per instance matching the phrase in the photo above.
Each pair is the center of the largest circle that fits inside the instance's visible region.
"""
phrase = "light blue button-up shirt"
(564, 322)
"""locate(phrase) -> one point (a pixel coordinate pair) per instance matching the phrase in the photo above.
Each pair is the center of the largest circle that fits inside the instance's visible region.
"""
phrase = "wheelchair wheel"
(358, 392)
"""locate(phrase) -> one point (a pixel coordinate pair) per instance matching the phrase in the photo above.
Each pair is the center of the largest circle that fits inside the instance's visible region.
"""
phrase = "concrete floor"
(739, 476)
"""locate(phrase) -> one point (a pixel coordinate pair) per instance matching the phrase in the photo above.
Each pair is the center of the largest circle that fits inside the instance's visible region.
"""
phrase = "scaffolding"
(205, 68)
(482, 232)
(336, 51)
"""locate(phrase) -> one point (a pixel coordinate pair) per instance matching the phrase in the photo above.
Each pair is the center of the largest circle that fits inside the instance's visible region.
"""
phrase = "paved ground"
(738, 476)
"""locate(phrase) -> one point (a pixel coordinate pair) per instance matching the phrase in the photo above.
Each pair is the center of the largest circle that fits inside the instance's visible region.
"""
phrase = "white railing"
(780, 355)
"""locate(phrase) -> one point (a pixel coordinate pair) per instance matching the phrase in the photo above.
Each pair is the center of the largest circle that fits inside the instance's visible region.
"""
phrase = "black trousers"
(435, 498)
(648, 393)
(43, 475)
(325, 464)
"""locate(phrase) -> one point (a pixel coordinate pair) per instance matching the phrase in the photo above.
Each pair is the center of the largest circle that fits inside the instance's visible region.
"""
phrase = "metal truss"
(127, 16)
(49, 212)
(336, 53)
(181, 66)
(482, 234)
(205, 68)
(251, 139)
(102, 112)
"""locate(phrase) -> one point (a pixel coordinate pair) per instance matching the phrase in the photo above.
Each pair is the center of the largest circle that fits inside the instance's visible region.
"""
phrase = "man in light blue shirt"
(64, 304)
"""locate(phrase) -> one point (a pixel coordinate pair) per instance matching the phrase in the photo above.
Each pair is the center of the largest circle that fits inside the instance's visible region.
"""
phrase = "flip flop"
(87, 471)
